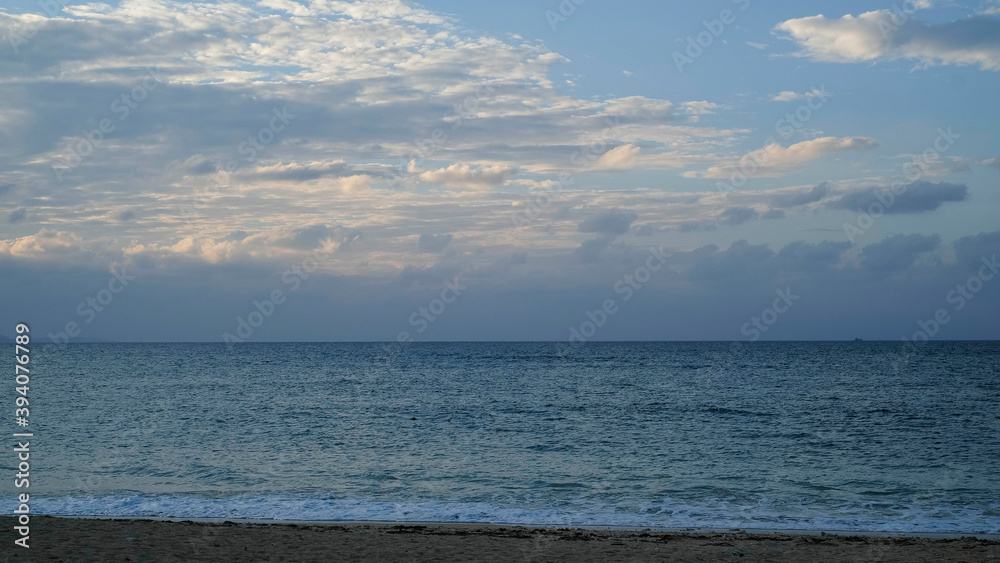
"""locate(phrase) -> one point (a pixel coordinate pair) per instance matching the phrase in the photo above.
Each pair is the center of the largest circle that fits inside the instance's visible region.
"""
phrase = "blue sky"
(211, 148)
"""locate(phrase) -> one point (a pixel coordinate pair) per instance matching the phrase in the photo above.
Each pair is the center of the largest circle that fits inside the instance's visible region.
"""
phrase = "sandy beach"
(73, 539)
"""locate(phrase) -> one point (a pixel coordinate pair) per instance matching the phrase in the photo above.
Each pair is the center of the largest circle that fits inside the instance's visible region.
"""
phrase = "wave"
(707, 513)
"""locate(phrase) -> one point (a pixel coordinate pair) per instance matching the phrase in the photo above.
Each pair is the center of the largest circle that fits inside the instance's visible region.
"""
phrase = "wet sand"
(74, 539)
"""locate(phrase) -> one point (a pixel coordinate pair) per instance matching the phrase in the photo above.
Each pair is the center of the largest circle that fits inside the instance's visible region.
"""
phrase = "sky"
(323, 170)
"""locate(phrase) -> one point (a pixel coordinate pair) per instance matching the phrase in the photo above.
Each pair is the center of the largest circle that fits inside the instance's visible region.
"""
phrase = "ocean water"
(863, 436)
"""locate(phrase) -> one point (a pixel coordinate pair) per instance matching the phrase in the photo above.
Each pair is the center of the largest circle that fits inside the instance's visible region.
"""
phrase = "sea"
(833, 436)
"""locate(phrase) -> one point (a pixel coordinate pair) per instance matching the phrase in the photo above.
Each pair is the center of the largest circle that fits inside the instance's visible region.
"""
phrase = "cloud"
(300, 171)
(789, 96)
(618, 158)
(17, 215)
(196, 165)
(355, 184)
(433, 243)
(288, 6)
(695, 110)
(916, 197)
(638, 107)
(430, 276)
(971, 250)
(775, 160)
(590, 250)
(995, 163)
(46, 244)
(743, 260)
(304, 238)
(373, 86)
(693, 226)
(280, 244)
(882, 34)
(235, 236)
(383, 89)
(795, 199)
(740, 258)
(465, 176)
(514, 259)
(644, 230)
(897, 253)
(938, 165)
(611, 222)
(708, 293)
(801, 255)
(737, 215)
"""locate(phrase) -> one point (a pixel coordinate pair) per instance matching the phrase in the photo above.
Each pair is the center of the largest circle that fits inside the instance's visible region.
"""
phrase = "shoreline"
(130, 539)
(588, 527)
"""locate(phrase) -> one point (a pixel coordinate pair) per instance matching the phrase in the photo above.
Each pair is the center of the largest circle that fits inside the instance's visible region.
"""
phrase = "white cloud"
(46, 243)
(787, 96)
(937, 164)
(883, 34)
(371, 84)
(638, 107)
(618, 158)
(293, 8)
(283, 243)
(465, 176)
(355, 184)
(790, 96)
(695, 110)
(775, 160)
(373, 87)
